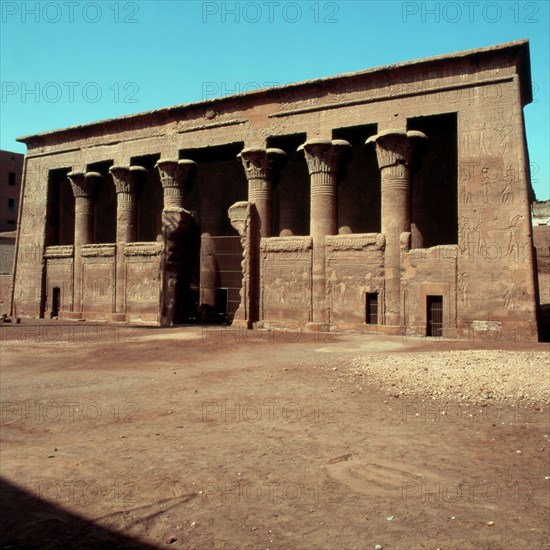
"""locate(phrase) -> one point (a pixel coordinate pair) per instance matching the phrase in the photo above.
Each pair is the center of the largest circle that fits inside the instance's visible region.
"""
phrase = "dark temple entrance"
(228, 256)
(434, 315)
(371, 303)
(56, 302)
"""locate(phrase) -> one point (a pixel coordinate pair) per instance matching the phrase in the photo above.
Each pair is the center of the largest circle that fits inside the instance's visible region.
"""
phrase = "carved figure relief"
(463, 285)
(510, 295)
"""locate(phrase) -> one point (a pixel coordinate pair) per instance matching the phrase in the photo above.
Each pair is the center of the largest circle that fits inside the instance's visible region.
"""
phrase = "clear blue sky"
(71, 63)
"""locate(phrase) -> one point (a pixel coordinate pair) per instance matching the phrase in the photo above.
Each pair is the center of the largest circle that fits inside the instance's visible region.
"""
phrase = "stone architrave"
(260, 166)
(325, 160)
(394, 150)
(84, 186)
(176, 223)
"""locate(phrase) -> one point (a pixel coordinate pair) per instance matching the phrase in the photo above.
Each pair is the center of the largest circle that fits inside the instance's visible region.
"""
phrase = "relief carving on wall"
(510, 294)
(463, 290)
(487, 181)
(142, 289)
(97, 287)
(348, 285)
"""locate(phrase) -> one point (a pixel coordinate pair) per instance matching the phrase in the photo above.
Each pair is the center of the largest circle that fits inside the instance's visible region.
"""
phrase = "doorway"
(371, 308)
(56, 302)
(434, 315)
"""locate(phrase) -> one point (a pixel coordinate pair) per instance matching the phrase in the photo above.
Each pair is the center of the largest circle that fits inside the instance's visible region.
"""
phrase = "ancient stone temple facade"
(394, 200)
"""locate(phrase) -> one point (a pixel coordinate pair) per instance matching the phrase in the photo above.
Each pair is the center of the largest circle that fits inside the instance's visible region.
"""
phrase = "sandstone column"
(127, 180)
(83, 189)
(174, 175)
(325, 159)
(176, 221)
(245, 220)
(259, 166)
(394, 151)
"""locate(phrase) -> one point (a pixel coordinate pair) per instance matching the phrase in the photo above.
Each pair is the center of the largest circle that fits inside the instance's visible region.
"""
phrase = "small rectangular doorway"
(221, 305)
(56, 302)
(434, 315)
(371, 304)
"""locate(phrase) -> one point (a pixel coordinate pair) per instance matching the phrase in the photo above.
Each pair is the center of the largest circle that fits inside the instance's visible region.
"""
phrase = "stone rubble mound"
(470, 375)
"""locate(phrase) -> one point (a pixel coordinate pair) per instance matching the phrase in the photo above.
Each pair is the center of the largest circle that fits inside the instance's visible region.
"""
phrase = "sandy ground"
(181, 438)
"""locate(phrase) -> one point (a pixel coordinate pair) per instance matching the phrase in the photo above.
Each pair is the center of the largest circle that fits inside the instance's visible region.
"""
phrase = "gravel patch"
(470, 375)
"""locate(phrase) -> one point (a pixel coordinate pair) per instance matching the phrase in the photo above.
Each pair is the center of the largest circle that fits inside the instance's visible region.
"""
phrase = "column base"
(394, 330)
(319, 326)
(73, 316)
(117, 317)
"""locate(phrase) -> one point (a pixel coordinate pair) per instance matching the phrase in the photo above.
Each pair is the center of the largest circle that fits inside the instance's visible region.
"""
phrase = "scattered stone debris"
(465, 375)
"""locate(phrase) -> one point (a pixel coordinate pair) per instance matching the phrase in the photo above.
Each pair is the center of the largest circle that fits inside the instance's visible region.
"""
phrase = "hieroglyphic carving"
(98, 285)
(289, 283)
(350, 278)
(513, 231)
(463, 288)
(142, 288)
(487, 181)
(286, 285)
(243, 218)
(470, 242)
(489, 137)
(507, 186)
(510, 295)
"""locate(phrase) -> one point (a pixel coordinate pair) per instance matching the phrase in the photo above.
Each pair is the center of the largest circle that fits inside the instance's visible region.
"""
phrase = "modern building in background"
(11, 173)
(541, 237)
(393, 200)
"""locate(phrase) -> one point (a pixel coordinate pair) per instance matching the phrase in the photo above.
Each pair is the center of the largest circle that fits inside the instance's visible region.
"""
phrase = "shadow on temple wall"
(28, 522)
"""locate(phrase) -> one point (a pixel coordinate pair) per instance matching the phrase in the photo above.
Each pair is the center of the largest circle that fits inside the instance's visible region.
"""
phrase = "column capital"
(174, 175)
(393, 147)
(83, 184)
(261, 163)
(174, 172)
(325, 155)
(127, 179)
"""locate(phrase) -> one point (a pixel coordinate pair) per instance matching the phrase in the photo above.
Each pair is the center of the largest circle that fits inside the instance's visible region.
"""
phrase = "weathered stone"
(407, 208)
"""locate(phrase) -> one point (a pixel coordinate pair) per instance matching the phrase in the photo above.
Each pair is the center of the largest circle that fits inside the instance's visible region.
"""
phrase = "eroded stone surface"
(406, 208)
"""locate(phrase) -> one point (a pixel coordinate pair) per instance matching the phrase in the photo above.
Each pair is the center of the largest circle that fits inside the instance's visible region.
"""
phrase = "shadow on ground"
(28, 522)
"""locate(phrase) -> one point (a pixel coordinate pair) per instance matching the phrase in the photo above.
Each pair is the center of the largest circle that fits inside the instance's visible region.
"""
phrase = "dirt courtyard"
(121, 437)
